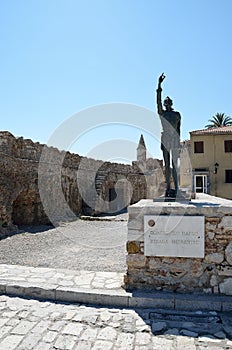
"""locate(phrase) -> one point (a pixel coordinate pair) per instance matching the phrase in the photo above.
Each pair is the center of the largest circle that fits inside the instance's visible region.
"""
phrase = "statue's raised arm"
(161, 79)
(158, 94)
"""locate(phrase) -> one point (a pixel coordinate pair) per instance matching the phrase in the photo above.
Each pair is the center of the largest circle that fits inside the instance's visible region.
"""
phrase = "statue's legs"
(175, 156)
(166, 155)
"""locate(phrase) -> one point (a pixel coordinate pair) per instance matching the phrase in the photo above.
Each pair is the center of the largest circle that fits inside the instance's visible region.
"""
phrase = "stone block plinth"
(180, 246)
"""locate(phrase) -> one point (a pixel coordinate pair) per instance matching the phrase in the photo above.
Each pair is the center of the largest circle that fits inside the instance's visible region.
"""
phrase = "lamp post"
(216, 165)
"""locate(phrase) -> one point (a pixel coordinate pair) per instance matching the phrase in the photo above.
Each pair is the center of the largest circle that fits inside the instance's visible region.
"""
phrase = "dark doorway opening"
(27, 209)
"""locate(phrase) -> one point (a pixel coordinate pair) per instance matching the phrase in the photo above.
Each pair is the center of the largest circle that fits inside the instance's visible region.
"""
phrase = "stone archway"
(27, 209)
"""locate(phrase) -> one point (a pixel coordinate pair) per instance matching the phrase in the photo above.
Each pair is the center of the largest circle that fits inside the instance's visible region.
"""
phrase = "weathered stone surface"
(158, 326)
(216, 258)
(220, 335)
(226, 287)
(132, 247)
(154, 263)
(86, 184)
(212, 220)
(210, 274)
(135, 235)
(224, 271)
(210, 226)
(188, 333)
(211, 235)
(226, 223)
(213, 281)
(136, 261)
(228, 253)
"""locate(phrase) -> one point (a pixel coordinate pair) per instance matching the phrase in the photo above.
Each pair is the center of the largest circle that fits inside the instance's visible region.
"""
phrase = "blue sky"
(61, 56)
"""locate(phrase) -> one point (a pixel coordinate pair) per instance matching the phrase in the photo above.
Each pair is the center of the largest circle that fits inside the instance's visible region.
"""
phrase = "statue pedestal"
(182, 196)
(180, 246)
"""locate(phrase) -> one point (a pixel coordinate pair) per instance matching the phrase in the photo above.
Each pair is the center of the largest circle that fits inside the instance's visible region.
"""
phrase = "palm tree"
(219, 119)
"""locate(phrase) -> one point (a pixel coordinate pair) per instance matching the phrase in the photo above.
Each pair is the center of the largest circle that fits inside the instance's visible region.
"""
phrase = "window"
(228, 176)
(198, 147)
(228, 145)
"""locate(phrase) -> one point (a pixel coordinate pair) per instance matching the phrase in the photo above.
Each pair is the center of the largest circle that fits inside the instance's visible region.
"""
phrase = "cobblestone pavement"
(32, 324)
(80, 245)
(58, 278)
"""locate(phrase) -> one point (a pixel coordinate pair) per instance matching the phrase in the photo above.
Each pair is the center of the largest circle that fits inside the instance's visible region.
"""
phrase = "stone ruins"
(20, 200)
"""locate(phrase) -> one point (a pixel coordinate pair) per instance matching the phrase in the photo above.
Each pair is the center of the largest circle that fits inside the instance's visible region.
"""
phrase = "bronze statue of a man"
(170, 137)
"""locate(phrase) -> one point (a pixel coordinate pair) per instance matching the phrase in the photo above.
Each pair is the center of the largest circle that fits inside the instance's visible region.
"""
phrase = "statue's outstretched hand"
(161, 78)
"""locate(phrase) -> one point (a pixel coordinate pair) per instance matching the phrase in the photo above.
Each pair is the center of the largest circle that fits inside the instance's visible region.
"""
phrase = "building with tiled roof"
(207, 161)
(212, 131)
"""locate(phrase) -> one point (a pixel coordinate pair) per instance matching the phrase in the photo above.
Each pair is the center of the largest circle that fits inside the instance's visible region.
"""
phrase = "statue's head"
(168, 103)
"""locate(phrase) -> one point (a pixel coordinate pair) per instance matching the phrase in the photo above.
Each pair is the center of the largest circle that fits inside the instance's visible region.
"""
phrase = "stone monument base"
(180, 246)
(181, 196)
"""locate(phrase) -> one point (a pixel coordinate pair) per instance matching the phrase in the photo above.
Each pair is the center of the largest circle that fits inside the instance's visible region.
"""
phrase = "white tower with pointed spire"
(141, 151)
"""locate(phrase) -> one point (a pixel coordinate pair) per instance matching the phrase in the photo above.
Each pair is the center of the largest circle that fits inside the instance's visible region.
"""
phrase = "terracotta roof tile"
(219, 130)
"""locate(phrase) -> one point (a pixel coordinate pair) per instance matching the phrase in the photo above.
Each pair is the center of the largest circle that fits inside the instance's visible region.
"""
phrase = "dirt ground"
(81, 245)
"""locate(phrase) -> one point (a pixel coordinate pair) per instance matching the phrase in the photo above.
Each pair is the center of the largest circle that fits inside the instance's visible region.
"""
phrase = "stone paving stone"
(29, 342)
(88, 328)
(69, 315)
(65, 342)
(4, 330)
(83, 345)
(185, 343)
(64, 283)
(13, 322)
(89, 318)
(114, 324)
(116, 317)
(158, 326)
(229, 343)
(10, 342)
(89, 334)
(43, 346)
(40, 312)
(57, 325)
(107, 333)
(9, 314)
(73, 329)
(23, 314)
(97, 285)
(113, 285)
(142, 338)
(209, 339)
(105, 316)
(23, 327)
(162, 344)
(220, 335)
(55, 315)
(14, 303)
(84, 279)
(50, 336)
(125, 341)
(143, 347)
(188, 333)
(128, 327)
(3, 321)
(102, 345)
(41, 327)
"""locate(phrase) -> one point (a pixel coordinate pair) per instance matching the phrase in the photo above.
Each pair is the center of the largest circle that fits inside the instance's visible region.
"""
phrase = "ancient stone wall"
(211, 274)
(87, 185)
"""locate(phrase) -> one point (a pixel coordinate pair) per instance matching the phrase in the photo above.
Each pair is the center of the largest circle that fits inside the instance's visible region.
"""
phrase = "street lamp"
(216, 165)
